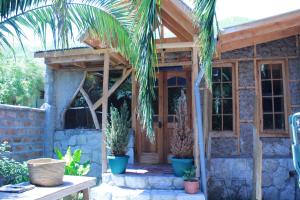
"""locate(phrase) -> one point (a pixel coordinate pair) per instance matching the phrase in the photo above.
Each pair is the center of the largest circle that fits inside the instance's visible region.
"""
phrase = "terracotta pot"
(191, 186)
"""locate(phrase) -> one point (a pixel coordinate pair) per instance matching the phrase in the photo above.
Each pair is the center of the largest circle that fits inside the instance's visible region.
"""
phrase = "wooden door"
(168, 88)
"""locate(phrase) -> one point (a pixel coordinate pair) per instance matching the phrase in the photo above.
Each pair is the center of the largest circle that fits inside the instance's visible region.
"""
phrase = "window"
(222, 99)
(272, 96)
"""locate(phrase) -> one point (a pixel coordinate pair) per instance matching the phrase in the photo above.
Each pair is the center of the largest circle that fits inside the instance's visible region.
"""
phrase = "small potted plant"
(191, 183)
(182, 140)
(117, 139)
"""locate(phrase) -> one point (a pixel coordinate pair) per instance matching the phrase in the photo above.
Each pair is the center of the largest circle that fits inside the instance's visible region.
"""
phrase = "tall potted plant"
(182, 140)
(117, 139)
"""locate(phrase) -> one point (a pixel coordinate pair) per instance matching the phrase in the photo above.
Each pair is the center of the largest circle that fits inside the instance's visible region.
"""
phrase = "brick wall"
(23, 128)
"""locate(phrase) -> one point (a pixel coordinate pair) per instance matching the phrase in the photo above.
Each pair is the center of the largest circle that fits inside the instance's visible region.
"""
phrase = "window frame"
(226, 133)
(273, 133)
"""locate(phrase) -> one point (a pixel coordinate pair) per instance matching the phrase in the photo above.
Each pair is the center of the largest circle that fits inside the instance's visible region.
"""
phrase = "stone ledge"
(108, 192)
(20, 108)
(142, 181)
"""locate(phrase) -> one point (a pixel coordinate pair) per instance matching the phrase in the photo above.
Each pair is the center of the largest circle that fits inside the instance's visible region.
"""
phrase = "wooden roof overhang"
(260, 31)
(82, 59)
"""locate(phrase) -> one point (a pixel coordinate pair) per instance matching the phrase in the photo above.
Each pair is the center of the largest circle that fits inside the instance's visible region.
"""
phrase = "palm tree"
(205, 12)
(124, 25)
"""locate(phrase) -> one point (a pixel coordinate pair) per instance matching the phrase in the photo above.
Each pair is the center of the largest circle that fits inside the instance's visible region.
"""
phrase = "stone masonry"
(23, 129)
(89, 141)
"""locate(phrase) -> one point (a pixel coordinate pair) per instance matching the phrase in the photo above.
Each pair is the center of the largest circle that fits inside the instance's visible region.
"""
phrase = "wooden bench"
(71, 185)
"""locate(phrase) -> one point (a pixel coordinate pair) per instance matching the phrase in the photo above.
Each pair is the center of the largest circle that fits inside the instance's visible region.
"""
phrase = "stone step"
(109, 192)
(143, 181)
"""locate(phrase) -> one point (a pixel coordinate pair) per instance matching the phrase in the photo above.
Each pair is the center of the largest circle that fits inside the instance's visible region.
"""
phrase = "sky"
(250, 9)
(253, 9)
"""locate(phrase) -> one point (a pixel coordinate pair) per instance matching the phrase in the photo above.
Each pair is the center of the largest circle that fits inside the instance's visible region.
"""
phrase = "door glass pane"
(227, 90)
(266, 87)
(216, 75)
(279, 121)
(268, 121)
(226, 74)
(265, 71)
(227, 123)
(181, 81)
(172, 81)
(217, 106)
(277, 87)
(276, 71)
(217, 122)
(216, 90)
(227, 106)
(267, 104)
(278, 104)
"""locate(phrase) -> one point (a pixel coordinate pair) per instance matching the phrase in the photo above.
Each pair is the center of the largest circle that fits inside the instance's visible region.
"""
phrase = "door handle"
(159, 124)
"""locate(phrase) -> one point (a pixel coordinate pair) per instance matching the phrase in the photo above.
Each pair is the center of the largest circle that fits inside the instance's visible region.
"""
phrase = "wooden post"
(104, 110)
(194, 77)
(134, 112)
(257, 167)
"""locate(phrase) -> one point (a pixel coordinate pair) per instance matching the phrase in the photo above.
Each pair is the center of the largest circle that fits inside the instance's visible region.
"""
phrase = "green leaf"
(58, 153)
(68, 156)
(77, 155)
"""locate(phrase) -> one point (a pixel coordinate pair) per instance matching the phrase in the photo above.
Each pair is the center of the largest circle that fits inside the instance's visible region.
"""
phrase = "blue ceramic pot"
(181, 164)
(118, 164)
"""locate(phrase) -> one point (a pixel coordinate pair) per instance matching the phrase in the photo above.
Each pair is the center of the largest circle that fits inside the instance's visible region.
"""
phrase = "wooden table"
(71, 185)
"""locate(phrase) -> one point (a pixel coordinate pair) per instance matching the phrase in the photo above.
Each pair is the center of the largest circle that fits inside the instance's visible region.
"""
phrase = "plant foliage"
(205, 11)
(20, 82)
(11, 171)
(73, 166)
(127, 26)
(182, 140)
(117, 131)
(189, 174)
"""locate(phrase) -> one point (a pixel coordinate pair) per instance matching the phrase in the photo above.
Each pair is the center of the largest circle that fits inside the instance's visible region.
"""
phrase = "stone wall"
(89, 141)
(283, 49)
(23, 128)
(231, 178)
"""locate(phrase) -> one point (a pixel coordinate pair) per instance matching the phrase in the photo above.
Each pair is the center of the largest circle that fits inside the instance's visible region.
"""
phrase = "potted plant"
(191, 183)
(117, 139)
(182, 140)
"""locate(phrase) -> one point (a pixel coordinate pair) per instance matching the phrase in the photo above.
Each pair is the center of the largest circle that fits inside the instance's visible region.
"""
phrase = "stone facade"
(232, 179)
(23, 129)
(89, 141)
(230, 173)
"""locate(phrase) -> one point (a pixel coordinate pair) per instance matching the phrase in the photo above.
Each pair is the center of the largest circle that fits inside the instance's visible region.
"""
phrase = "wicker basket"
(46, 171)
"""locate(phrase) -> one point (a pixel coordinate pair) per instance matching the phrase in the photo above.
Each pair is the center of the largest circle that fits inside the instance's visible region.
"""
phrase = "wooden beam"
(71, 52)
(80, 64)
(172, 64)
(73, 59)
(195, 70)
(257, 39)
(90, 105)
(112, 89)
(105, 110)
(175, 45)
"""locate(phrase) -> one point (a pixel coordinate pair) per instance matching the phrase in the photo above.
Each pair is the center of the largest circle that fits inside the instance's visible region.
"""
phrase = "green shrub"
(73, 166)
(117, 131)
(11, 171)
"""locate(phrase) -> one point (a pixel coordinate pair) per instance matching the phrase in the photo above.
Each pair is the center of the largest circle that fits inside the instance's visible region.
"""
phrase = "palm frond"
(204, 15)
(145, 73)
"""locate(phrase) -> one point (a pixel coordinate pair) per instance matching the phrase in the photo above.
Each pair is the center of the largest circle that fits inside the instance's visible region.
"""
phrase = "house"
(255, 87)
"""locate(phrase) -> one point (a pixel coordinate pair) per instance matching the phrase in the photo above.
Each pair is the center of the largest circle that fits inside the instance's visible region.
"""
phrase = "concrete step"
(110, 192)
(143, 181)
